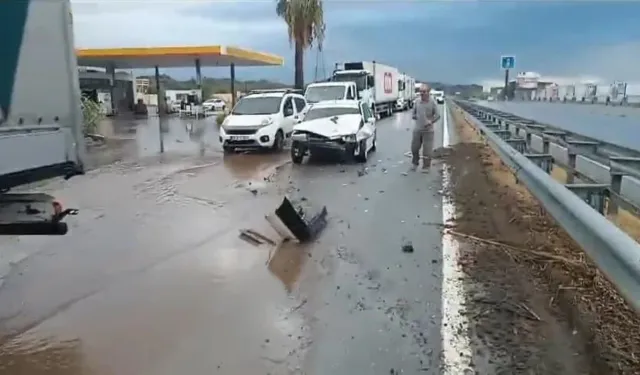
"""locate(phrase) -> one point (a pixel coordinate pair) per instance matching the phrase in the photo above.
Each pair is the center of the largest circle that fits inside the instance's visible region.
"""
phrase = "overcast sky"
(451, 41)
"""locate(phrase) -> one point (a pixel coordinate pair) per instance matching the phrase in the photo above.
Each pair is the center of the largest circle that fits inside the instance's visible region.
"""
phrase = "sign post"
(507, 63)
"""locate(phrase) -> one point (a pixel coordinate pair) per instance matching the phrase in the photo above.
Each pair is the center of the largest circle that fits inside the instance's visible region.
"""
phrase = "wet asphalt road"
(153, 279)
(616, 125)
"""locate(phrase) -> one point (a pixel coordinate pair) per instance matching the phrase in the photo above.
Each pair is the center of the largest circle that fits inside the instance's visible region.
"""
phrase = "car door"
(301, 107)
(368, 129)
(289, 115)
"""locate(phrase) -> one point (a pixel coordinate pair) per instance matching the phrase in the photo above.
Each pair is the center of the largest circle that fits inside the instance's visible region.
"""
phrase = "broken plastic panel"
(299, 223)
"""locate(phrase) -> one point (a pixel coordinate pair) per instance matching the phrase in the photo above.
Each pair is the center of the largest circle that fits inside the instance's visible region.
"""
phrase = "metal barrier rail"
(615, 253)
(620, 161)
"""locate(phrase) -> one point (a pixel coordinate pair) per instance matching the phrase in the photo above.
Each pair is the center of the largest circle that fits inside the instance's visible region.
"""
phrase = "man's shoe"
(413, 168)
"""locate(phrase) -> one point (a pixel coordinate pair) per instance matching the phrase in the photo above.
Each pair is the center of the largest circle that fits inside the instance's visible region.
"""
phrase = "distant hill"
(467, 91)
(212, 86)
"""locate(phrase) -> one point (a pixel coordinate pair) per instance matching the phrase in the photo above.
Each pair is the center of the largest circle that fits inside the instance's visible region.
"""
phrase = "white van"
(262, 119)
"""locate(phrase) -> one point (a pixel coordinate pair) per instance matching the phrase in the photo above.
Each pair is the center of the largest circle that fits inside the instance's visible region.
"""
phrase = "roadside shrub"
(220, 118)
(91, 114)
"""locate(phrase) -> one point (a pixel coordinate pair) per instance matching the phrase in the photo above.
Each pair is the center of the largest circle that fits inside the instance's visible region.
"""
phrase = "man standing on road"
(425, 114)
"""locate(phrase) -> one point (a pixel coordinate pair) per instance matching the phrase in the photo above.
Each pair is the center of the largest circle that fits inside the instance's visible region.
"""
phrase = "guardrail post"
(616, 186)
(504, 134)
(593, 194)
(556, 133)
(620, 166)
(572, 166)
(589, 147)
(520, 144)
(543, 161)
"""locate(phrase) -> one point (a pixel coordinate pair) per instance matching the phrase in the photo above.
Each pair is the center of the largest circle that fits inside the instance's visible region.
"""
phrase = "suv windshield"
(319, 93)
(316, 113)
(359, 79)
(265, 105)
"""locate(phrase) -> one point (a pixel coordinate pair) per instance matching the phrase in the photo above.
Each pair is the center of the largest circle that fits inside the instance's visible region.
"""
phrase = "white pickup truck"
(41, 132)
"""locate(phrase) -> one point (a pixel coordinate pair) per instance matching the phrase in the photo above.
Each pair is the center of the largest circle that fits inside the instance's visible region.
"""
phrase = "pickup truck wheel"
(297, 153)
(278, 142)
(374, 146)
(362, 152)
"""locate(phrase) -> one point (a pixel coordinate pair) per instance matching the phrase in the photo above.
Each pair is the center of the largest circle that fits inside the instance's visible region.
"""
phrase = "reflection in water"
(287, 262)
(41, 356)
(247, 165)
(180, 135)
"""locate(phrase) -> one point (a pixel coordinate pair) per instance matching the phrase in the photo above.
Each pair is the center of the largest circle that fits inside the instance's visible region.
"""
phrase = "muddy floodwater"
(153, 277)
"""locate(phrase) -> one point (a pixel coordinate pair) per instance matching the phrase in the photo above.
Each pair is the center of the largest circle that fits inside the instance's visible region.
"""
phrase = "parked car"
(346, 127)
(262, 119)
(215, 105)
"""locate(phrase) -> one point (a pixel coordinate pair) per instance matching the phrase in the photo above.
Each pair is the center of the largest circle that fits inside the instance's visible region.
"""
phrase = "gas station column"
(199, 79)
(233, 85)
(111, 72)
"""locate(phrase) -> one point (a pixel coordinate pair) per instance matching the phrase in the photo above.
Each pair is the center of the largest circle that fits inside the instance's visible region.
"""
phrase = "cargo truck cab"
(329, 91)
(377, 84)
(362, 81)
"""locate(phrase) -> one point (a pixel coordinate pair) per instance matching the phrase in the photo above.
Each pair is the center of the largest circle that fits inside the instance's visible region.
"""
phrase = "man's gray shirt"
(425, 112)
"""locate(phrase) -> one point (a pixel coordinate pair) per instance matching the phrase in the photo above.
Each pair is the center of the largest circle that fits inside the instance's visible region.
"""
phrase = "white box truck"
(406, 94)
(377, 83)
(41, 132)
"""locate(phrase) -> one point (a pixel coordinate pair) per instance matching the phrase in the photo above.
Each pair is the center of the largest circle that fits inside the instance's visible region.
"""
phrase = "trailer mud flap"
(296, 222)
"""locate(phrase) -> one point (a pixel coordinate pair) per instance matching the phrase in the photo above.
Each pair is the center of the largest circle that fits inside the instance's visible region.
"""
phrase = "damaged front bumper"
(314, 143)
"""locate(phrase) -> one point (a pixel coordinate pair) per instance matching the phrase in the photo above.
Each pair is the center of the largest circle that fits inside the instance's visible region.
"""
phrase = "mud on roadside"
(537, 303)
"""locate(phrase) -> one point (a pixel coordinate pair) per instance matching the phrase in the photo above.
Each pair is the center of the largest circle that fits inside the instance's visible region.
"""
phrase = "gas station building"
(113, 59)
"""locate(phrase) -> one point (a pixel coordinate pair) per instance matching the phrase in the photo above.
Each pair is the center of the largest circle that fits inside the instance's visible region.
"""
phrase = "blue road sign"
(508, 62)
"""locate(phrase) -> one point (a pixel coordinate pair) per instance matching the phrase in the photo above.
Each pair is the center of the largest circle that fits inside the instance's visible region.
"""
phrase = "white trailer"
(41, 128)
(377, 83)
(406, 92)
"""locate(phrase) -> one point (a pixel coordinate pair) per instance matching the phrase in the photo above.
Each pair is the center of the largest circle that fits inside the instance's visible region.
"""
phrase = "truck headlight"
(266, 122)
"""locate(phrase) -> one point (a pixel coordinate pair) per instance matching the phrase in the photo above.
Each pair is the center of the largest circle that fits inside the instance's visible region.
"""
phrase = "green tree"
(305, 23)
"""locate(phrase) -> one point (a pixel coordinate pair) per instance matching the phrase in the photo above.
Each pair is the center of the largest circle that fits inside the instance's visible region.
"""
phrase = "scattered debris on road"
(407, 247)
(256, 238)
(296, 223)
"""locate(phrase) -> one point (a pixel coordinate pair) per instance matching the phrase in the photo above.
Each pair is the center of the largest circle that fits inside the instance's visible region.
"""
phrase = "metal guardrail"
(615, 253)
(619, 161)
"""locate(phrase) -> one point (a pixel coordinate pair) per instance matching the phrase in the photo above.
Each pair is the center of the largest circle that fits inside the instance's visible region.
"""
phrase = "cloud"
(113, 23)
(450, 41)
(595, 64)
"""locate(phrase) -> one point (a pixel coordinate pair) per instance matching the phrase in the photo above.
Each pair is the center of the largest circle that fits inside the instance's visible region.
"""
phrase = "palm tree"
(305, 23)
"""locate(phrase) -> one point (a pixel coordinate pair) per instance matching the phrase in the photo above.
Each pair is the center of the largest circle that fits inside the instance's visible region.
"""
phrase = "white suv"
(262, 119)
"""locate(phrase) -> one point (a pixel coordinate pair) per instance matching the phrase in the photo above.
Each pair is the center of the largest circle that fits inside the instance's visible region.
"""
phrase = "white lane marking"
(456, 346)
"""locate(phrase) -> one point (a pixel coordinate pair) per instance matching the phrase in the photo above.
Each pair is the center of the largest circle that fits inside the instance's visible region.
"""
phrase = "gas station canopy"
(174, 57)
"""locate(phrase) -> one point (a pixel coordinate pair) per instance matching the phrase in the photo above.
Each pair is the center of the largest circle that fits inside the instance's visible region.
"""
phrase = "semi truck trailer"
(41, 132)
(377, 84)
